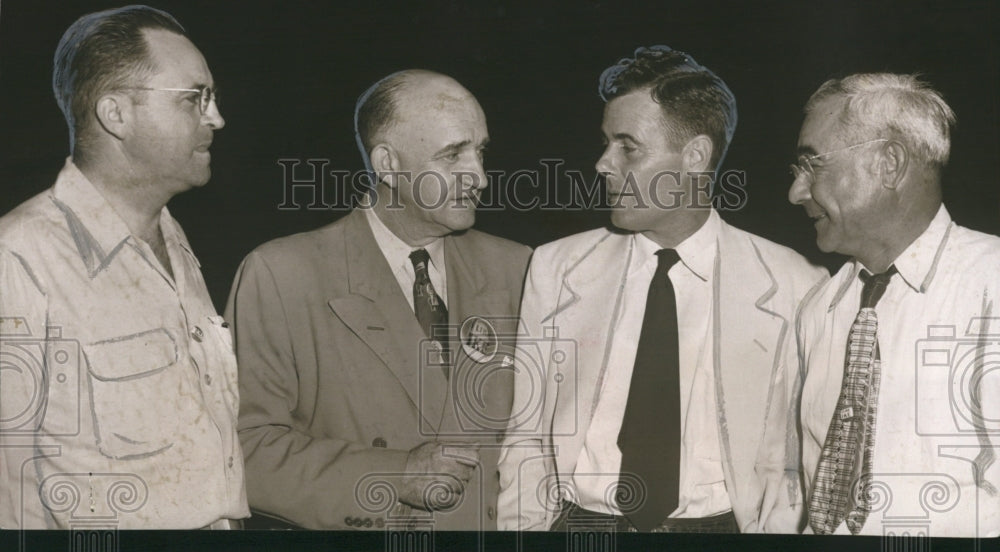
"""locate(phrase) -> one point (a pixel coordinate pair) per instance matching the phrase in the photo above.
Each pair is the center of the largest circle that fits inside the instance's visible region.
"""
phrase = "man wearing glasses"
(899, 403)
(118, 397)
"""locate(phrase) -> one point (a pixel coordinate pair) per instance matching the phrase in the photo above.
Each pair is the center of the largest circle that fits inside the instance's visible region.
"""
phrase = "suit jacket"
(337, 383)
(573, 290)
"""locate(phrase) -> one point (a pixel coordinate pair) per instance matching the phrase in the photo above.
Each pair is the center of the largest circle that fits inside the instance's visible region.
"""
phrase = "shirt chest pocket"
(134, 385)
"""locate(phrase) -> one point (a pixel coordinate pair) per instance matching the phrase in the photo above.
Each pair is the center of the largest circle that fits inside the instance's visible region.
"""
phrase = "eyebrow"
(805, 150)
(199, 85)
(625, 136)
(454, 146)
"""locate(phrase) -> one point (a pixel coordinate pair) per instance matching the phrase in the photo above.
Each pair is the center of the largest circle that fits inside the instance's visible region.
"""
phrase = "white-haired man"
(899, 406)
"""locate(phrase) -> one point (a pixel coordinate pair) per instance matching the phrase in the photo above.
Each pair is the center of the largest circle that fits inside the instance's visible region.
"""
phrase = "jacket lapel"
(747, 340)
(486, 391)
(379, 314)
(585, 313)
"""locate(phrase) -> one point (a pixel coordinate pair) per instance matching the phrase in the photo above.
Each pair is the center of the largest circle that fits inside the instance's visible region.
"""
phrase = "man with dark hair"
(658, 397)
(374, 355)
(118, 397)
(899, 397)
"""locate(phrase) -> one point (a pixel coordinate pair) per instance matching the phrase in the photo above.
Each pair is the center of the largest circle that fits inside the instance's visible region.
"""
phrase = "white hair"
(899, 107)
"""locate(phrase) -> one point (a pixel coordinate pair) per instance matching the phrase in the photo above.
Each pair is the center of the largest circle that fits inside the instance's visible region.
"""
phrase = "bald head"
(422, 136)
(402, 100)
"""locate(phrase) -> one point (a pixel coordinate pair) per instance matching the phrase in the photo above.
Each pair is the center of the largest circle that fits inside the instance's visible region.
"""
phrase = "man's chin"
(825, 244)
(462, 222)
(621, 220)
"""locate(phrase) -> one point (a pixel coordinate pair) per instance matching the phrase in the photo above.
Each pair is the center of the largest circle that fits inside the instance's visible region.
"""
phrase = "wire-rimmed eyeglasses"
(803, 165)
(206, 94)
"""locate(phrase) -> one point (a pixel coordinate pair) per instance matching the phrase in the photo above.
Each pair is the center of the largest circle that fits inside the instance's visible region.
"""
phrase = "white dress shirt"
(702, 484)
(397, 254)
(935, 318)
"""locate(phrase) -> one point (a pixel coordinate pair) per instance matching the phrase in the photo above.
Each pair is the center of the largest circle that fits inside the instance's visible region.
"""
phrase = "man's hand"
(436, 474)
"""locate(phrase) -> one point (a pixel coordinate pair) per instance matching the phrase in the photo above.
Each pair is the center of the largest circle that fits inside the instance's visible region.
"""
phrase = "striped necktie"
(427, 304)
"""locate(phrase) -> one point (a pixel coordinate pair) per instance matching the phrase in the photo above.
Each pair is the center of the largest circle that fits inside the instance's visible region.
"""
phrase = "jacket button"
(349, 521)
(379, 442)
(197, 334)
(492, 512)
(208, 379)
(230, 461)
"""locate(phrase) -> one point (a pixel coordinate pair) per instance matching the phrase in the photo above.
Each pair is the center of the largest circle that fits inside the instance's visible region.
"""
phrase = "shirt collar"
(97, 229)
(396, 251)
(697, 252)
(918, 263)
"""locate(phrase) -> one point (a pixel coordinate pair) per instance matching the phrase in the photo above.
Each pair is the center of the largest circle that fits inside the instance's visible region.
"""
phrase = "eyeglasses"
(206, 94)
(803, 165)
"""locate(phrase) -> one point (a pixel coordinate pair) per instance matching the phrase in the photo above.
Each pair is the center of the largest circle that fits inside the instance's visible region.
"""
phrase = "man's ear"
(385, 163)
(891, 164)
(113, 112)
(697, 153)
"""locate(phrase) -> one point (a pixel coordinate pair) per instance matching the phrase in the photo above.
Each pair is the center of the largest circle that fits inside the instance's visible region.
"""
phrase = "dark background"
(290, 74)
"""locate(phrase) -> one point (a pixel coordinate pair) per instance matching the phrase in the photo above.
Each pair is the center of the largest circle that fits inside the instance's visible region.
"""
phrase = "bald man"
(374, 352)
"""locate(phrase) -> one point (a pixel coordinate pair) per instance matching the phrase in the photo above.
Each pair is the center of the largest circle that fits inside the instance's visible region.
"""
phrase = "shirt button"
(197, 334)
(208, 379)
(230, 461)
(379, 442)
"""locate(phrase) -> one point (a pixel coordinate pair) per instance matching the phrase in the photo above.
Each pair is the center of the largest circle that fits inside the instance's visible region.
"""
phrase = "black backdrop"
(290, 73)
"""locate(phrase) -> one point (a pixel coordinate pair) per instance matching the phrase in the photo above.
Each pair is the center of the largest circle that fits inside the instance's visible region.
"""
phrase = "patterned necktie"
(427, 304)
(851, 431)
(650, 437)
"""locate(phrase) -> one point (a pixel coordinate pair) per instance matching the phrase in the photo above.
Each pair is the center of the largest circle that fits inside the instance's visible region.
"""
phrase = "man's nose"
(213, 117)
(799, 192)
(603, 164)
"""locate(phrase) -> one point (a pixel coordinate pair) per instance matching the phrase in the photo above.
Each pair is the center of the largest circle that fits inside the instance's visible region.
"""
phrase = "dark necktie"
(427, 304)
(650, 437)
(851, 432)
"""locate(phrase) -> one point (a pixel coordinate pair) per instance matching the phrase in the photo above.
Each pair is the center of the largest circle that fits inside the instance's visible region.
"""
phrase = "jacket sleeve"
(312, 482)
(526, 459)
(783, 505)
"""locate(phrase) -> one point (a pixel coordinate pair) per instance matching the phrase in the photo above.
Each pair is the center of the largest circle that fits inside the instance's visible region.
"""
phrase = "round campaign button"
(479, 339)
